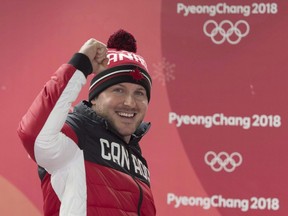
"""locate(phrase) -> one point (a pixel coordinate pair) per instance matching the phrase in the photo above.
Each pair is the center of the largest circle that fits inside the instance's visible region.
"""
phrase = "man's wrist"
(82, 63)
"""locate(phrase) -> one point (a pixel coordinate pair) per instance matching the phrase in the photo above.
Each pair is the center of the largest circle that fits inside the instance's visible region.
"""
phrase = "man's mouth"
(126, 115)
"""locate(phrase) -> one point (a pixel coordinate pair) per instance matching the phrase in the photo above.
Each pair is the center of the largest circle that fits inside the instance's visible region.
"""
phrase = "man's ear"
(93, 101)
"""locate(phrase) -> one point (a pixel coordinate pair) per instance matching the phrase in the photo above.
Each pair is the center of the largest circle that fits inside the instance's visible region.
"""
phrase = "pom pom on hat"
(124, 65)
(122, 40)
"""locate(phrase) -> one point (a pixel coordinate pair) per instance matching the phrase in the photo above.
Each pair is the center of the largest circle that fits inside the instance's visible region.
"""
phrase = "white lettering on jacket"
(117, 154)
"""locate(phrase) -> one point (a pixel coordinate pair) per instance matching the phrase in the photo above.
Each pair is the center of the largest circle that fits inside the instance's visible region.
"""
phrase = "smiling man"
(90, 161)
(123, 105)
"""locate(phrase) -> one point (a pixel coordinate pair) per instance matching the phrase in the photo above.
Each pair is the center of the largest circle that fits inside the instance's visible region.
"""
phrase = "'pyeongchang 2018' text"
(218, 201)
(220, 119)
(225, 8)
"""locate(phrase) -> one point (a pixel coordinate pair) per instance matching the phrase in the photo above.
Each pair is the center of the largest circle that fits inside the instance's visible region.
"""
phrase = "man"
(90, 161)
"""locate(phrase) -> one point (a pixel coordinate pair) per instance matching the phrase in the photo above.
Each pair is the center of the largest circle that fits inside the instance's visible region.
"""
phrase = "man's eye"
(140, 93)
(118, 90)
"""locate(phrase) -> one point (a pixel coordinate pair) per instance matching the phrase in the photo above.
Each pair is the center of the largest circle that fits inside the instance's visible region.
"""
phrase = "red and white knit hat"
(124, 65)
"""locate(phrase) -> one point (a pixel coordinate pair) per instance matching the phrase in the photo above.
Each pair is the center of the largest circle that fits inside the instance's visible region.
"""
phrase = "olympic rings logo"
(226, 30)
(223, 160)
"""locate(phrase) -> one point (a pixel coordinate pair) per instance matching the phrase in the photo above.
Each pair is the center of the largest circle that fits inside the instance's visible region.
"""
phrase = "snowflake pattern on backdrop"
(163, 71)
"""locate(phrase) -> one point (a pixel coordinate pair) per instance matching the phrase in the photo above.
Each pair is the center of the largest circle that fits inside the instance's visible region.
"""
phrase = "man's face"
(124, 105)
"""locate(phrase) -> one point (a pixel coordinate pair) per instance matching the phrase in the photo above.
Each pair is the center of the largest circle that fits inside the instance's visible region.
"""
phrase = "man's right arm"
(53, 102)
(43, 122)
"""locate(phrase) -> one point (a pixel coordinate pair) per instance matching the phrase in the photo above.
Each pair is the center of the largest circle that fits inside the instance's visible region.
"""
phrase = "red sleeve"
(36, 116)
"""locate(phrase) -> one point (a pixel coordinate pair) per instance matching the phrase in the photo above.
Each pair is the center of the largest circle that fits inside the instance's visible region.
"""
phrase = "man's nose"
(129, 100)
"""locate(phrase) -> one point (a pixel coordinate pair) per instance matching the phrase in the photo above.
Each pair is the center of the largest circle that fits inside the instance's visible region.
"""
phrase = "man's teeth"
(127, 115)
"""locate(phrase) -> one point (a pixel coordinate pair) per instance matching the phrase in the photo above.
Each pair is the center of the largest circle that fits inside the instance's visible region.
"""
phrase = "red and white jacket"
(85, 166)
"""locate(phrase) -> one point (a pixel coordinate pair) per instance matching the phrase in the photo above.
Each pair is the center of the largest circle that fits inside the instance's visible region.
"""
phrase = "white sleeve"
(53, 149)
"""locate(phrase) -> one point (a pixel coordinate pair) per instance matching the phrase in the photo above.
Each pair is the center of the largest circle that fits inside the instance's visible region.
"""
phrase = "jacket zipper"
(140, 188)
(140, 198)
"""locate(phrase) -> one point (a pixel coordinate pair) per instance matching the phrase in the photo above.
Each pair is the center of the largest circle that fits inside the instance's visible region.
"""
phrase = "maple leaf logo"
(136, 74)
